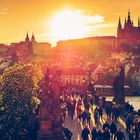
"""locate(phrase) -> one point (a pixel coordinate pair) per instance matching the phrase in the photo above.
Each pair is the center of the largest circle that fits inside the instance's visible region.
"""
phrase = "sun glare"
(71, 24)
(67, 24)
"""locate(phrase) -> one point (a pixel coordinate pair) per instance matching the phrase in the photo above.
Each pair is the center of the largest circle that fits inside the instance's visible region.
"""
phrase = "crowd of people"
(83, 108)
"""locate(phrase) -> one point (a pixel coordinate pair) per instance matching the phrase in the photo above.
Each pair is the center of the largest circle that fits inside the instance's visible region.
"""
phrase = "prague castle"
(129, 31)
(127, 34)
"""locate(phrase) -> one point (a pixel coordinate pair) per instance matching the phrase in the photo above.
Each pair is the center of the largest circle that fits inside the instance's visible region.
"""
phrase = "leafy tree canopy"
(18, 89)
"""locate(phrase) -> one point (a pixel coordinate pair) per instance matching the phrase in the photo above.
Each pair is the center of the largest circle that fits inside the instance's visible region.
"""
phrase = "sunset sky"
(53, 20)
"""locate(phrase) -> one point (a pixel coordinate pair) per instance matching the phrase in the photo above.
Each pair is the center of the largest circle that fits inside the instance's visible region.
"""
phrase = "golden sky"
(18, 16)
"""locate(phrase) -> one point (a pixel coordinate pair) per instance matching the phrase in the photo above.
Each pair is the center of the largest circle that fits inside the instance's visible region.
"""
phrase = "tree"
(18, 89)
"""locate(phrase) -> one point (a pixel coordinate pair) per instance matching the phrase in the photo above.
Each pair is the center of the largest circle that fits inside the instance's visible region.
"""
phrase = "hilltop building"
(125, 34)
(129, 31)
(128, 34)
(29, 48)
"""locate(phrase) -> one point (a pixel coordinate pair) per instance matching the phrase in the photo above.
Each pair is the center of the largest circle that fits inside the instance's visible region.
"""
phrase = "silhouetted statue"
(50, 108)
(118, 87)
(91, 88)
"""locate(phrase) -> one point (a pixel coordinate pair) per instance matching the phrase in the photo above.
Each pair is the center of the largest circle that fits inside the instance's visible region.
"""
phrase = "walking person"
(79, 113)
(96, 115)
(94, 133)
(99, 134)
(84, 116)
(100, 110)
(106, 134)
(119, 135)
(137, 131)
(85, 133)
(105, 125)
(113, 128)
(132, 135)
(88, 117)
(67, 132)
(108, 111)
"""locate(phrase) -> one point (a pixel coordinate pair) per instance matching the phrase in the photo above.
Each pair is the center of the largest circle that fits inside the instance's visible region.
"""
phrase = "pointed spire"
(27, 38)
(129, 17)
(119, 24)
(138, 21)
(125, 22)
(33, 38)
(119, 30)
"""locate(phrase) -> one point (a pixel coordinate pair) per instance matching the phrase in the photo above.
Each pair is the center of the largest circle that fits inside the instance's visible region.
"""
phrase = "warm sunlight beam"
(68, 24)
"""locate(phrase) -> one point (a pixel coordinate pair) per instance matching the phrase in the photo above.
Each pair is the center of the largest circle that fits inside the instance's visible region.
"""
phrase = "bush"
(18, 89)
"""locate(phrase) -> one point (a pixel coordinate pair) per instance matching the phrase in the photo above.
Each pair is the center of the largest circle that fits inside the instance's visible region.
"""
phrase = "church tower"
(27, 40)
(33, 38)
(129, 31)
(119, 30)
(138, 22)
(129, 18)
(30, 49)
(125, 22)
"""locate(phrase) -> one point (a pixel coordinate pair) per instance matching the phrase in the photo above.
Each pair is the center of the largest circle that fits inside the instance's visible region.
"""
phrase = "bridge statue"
(50, 108)
(118, 87)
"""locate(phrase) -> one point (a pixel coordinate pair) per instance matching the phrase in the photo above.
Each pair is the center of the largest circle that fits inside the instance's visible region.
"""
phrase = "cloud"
(3, 11)
(96, 22)
(104, 25)
(89, 19)
(93, 19)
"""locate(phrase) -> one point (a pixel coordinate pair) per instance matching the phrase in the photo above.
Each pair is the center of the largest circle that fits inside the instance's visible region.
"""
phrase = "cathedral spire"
(138, 21)
(119, 24)
(33, 38)
(27, 38)
(119, 30)
(125, 22)
(129, 17)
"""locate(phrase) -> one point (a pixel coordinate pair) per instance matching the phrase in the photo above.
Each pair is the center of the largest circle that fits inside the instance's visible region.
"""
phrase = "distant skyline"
(48, 19)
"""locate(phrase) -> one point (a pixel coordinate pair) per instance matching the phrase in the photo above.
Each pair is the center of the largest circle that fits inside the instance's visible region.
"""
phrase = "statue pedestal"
(120, 98)
(50, 136)
(50, 125)
(118, 87)
(46, 133)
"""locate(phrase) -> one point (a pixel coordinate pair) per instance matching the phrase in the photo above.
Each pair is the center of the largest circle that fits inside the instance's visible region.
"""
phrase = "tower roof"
(119, 24)
(125, 22)
(27, 38)
(129, 17)
(33, 37)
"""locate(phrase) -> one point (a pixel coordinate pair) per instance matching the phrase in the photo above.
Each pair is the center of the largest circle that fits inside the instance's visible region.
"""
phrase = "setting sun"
(71, 24)
(67, 24)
